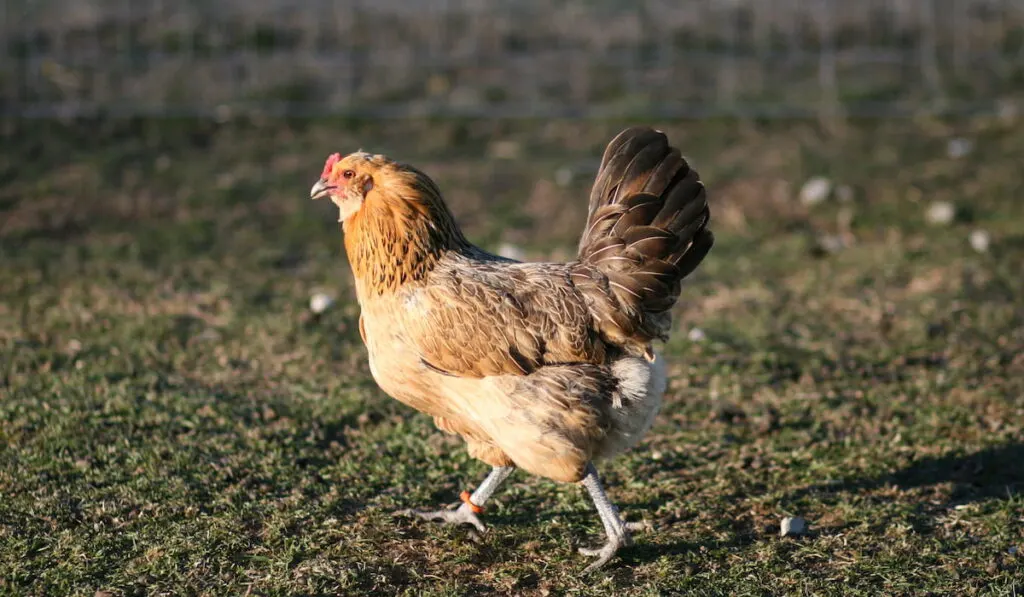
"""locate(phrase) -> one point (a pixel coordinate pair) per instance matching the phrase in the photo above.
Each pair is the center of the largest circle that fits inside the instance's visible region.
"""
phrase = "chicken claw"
(464, 514)
(471, 506)
(606, 552)
(617, 530)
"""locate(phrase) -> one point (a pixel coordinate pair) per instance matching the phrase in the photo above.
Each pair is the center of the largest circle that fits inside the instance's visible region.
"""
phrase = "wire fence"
(530, 58)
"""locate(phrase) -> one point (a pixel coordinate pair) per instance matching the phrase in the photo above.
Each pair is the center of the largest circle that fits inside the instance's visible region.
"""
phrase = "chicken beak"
(320, 189)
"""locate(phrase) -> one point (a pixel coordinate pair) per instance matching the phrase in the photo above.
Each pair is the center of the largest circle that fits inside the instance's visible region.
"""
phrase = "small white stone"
(844, 193)
(959, 147)
(940, 212)
(208, 335)
(225, 180)
(831, 243)
(1007, 111)
(320, 302)
(505, 150)
(510, 251)
(563, 176)
(792, 526)
(74, 345)
(980, 240)
(222, 113)
(815, 190)
(696, 335)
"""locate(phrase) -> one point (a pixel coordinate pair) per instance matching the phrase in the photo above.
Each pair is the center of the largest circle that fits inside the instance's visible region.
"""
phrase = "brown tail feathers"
(646, 231)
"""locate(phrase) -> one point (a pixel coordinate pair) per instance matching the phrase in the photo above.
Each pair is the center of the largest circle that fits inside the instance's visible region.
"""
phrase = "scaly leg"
(616, 531)
(472, 505)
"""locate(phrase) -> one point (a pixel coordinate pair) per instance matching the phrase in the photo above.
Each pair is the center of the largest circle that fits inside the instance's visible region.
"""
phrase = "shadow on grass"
(992, 472)
(581, 528)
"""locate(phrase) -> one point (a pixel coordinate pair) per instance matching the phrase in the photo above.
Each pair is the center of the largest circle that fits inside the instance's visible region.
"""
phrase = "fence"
(527, 58)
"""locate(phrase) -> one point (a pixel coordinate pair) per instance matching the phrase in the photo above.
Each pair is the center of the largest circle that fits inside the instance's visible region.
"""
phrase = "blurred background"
(185, 404)
(583, 58)
(510, 105)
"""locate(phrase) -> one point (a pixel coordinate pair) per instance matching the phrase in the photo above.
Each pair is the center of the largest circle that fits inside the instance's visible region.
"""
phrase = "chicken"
(545, 367)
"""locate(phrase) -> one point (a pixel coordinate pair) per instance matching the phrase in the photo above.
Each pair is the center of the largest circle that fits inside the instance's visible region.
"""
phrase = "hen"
(547, 367)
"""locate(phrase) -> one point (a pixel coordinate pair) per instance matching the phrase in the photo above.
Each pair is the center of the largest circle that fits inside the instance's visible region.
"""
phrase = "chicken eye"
(348, 174)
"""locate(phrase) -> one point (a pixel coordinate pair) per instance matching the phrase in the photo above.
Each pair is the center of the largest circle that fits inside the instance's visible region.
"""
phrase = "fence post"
(928, 49)
(829, 105)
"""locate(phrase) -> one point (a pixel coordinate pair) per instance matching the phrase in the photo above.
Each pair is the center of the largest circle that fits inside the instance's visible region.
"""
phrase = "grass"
(174, 420)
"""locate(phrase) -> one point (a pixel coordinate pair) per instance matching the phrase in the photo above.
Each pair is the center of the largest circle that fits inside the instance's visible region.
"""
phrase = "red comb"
(333, 159)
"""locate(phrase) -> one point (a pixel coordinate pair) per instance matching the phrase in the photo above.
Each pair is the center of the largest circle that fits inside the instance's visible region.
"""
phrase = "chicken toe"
(472, 506)
(616, 531)
(605, 553)
(464, 514)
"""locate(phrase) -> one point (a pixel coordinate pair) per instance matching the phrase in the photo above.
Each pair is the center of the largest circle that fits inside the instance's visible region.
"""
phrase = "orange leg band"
(465, 497)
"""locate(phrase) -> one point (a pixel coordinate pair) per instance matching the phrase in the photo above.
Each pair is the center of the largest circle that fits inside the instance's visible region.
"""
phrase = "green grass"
(174, 421)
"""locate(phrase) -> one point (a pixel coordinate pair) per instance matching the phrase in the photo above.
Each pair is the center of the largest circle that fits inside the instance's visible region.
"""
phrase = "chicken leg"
(615, 529)
(466, 513)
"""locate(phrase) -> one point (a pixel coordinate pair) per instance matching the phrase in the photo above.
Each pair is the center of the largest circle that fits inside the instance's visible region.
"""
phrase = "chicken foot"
(467, 512)
(615, 529)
